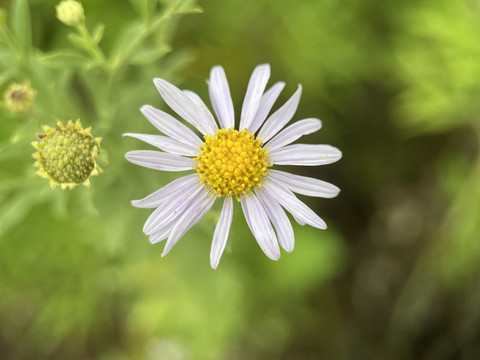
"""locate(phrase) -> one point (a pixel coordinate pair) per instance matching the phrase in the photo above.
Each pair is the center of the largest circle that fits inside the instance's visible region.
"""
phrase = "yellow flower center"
(232, 162)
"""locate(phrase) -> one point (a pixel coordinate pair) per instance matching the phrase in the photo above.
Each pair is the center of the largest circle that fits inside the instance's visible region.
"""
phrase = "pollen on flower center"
(232, 162)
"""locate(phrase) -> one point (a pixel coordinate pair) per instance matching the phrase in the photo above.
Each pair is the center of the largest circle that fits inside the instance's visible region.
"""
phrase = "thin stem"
(92, 47)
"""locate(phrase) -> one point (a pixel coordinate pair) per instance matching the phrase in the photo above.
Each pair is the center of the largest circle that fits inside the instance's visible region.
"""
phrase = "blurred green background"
(395, 276)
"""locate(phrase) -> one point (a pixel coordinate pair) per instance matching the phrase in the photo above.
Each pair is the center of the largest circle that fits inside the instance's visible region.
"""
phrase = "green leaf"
(140, 6)
(64, 59)
(98, 33)
(21, 24)
(188, 7)
(127, 41)
(78, 41)
(3, 17)
(148, 56)
(7, 59)
(4, 77)
(17, 207)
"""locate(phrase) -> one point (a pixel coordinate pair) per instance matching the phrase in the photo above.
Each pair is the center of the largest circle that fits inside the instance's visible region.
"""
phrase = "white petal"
(166, 213)
(167, 144)
(201, 105)
(266, 103)
(162, 233)
(168, 192)
(293, 132)
(260, 226)
(279, 219)
(191, 216)
(299, 222)
(294, 206)
(222, 229)
(281, 117)
(256, 87)
(170, 126)
(303, 154)
(220, 97)
(304, 185)
(185, 107)
(160, 160)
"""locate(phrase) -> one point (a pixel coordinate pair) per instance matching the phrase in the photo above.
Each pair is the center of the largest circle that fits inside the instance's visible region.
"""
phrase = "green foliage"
(438, 63)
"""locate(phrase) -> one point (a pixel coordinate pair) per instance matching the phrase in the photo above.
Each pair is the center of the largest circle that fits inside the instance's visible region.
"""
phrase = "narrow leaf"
(21, 23)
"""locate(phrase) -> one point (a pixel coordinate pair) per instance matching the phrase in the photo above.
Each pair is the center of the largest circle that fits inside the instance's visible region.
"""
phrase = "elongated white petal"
(170, 126)
(168, 192)
(281, 117)
(293, 132)
(159, 160)
(162, 233)
(185, 107)
(304, 185)
(299, 222)
(222, 229)
(266, 103)
(305, 154)
(220, 97)
(201, 105)
(294, 206)
(260, 226)
(256, 87)
(167, 144)
(279, 219)
(191, 216)
(164, 214)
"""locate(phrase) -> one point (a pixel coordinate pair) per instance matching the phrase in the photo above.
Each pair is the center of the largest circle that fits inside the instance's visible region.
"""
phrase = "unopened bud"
(67, 155)
(70, 12)
(19, 97)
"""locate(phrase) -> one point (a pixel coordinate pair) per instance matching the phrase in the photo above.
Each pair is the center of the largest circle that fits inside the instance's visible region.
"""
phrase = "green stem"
(92, 47)
(148, 30)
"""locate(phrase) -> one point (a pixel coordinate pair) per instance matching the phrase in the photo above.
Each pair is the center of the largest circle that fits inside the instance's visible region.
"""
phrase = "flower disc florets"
(67, 155)
(19, 97)
(232, 162)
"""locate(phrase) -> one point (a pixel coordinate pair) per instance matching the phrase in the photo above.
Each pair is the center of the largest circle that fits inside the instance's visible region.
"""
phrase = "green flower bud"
(67, 155)
(70, 12)
(19, 98)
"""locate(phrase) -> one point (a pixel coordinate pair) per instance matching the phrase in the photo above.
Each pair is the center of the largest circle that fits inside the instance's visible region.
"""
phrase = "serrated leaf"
(21, 23)
(148, 56)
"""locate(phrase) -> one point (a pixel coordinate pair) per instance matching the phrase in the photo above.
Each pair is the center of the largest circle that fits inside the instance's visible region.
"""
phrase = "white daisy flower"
(232, 164)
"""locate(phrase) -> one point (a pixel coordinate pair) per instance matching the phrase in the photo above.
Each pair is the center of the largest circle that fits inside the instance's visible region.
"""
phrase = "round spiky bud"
(70, 12)
(67, 155)
(19, 98)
